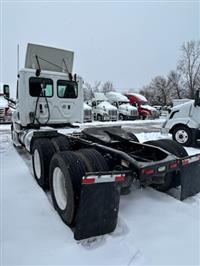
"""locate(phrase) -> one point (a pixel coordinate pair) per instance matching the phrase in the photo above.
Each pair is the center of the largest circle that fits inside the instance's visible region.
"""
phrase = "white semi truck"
(102, 109)
(5, 111)
(183, 122)
(85, 170)
(87, 113)
(125, 110)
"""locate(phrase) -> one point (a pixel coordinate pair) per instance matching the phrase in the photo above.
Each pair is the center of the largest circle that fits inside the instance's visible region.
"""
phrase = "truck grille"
(2, 112)
(154, 113)
(88, 113)
(134, 113)
(113, 112)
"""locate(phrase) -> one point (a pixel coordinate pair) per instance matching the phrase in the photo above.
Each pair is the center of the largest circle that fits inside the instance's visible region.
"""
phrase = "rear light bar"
(148, 171)
(191, 160)
(173, 165)
(87, 180)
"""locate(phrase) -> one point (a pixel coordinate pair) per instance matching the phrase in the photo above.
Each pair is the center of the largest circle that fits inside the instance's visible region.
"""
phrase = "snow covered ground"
(153, 228)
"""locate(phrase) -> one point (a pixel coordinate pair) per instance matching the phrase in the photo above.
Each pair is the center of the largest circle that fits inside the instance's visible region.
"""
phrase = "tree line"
(177, 84)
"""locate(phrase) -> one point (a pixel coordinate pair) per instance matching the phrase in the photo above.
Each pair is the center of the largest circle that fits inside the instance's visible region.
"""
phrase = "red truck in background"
(144, 109)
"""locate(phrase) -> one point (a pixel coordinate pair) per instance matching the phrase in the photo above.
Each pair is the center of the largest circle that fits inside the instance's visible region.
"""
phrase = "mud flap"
(190, 177)
(98, 210)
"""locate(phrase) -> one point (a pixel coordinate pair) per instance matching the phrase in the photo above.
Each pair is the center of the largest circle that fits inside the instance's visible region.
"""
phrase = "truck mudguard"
(99, 204)
(190, 176)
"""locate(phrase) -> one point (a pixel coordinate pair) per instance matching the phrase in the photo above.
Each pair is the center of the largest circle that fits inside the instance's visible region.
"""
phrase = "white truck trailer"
(184, 122)
(85, 170)
(102, 109)
(125, 110)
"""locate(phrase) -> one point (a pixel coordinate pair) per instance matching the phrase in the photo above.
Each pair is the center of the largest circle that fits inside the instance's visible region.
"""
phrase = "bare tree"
(176, 88)
(89, 89)
(189, 65)
(96, 86)
(107, 87)
(160, 88)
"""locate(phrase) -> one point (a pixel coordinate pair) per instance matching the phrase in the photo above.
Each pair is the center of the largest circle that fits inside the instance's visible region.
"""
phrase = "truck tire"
(182, 135)
(93, 160)
(60, 143)
(66, 172)
(42, 152)
(99, 117)
(173, 148)
(142, 117)
(132, 136)
(121, 117)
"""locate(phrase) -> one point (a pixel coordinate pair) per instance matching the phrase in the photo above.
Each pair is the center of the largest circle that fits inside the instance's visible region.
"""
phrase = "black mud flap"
(190, 177)
(98, 209)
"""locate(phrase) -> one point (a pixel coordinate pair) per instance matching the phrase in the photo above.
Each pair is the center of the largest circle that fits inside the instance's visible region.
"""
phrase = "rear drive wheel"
(66, 172)
(182, 135)
(93, 160)
(173, 148)
(121, 117)
(99, 117)
(42, 152)
(60, 143)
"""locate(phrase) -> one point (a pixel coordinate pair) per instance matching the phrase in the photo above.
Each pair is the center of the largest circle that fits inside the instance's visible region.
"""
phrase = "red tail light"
(147, 171)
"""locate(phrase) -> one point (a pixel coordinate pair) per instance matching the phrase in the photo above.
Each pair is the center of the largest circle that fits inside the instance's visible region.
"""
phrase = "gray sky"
(127, 43)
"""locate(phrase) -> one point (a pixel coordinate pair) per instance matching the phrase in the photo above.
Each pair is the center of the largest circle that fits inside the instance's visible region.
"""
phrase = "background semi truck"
(102, 109)
(5, 110)
(86, 170)
(87, 113)
(184, 122)
(144, 109)
(125, 110)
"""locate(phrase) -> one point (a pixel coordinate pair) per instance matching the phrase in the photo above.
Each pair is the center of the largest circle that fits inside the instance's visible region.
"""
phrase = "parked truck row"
(114, 106)
(87, 170)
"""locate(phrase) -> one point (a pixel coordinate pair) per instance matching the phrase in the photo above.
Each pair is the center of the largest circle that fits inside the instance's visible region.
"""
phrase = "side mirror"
(197, 98)
(6, 91)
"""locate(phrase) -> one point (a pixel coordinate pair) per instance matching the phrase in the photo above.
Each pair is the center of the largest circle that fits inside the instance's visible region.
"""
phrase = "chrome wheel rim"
(59, 188)
(181, 136)
(37, 164)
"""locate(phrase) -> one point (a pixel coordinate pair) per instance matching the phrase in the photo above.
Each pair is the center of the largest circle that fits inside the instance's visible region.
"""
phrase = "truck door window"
(67, 89)
(40, 87)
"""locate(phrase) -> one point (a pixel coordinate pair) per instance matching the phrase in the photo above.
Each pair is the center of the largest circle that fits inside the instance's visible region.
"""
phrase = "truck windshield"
(123, 102)
(67, 89)
(144, 103)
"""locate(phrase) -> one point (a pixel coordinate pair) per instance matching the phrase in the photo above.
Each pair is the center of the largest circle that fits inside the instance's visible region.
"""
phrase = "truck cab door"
(195, 113)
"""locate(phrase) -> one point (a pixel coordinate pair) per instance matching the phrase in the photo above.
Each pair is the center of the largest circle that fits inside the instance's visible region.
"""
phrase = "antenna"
(17, 59)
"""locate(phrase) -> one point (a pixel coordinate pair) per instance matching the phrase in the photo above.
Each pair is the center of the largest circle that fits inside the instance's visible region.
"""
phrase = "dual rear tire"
(62, 173)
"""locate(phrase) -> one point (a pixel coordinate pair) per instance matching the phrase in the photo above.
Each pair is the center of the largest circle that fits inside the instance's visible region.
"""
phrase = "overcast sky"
(127, 43)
